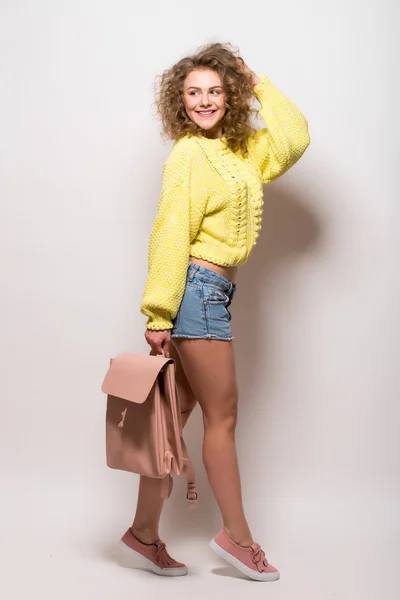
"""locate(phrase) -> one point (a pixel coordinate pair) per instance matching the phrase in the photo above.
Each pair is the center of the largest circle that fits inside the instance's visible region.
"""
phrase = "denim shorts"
(203, 313)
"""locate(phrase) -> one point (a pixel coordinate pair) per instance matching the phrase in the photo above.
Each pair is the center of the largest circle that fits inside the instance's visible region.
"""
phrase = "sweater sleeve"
(279, 146)
(178, 220)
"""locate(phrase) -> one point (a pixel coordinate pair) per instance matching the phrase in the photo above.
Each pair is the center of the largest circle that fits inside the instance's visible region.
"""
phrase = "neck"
(213, 133)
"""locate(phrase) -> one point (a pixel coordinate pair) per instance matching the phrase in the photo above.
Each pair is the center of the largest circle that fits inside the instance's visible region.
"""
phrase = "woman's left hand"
(254, 79)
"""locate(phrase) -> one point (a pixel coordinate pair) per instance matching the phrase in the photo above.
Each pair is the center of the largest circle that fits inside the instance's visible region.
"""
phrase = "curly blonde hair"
(237, 86)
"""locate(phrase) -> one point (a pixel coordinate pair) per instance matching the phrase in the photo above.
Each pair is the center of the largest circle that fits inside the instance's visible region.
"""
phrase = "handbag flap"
(131, 376)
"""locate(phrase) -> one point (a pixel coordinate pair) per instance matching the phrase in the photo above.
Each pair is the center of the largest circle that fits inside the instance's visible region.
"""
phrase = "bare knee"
(222, 415)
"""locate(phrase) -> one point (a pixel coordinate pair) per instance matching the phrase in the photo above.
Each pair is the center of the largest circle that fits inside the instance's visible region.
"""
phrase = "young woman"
(208, 220)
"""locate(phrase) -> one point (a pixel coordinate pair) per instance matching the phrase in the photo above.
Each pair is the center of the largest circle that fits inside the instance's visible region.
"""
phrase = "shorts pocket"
(215, 296)
(216, 304)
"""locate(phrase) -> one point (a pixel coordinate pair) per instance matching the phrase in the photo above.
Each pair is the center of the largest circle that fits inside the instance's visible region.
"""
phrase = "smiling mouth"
(206, 113)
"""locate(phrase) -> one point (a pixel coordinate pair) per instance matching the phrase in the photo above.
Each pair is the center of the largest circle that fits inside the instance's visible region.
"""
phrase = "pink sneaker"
(250, 561)
(153, 557)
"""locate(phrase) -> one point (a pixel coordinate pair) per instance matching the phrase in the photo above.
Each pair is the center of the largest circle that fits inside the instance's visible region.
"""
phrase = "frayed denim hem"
(203, 337)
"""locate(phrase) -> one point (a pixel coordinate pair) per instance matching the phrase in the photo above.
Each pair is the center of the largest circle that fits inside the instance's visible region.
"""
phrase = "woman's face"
(204, 100)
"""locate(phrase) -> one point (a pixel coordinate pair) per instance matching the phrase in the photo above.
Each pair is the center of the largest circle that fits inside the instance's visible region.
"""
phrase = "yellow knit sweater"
(212, 199)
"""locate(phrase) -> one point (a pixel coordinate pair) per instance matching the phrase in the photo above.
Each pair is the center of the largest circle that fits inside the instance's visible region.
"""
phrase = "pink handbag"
(143, 420)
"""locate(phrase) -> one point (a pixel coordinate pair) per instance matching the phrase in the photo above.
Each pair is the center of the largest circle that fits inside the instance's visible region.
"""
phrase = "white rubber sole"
(241, 567)
(144, 563)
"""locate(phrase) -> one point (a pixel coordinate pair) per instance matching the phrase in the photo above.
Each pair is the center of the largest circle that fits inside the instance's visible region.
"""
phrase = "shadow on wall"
(289, 230)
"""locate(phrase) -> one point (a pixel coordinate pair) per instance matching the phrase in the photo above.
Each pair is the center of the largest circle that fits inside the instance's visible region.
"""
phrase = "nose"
(205, 101)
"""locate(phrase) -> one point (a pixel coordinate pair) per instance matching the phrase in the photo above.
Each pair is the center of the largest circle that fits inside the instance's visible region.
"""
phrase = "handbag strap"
(188, 469)
(191, 495)
(189, 472)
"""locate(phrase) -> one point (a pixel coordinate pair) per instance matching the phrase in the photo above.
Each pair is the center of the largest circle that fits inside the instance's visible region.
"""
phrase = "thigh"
(187, 398)
(209, 366)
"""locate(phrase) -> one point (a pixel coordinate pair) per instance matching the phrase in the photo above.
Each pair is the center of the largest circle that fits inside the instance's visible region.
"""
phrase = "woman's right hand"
(159, 341)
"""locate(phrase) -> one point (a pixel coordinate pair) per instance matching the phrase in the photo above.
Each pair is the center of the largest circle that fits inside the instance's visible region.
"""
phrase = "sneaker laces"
(162, 556)
(258, 557)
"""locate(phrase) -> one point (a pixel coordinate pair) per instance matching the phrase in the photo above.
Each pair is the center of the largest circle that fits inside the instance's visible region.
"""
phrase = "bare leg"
(210, 369)
(150, 504)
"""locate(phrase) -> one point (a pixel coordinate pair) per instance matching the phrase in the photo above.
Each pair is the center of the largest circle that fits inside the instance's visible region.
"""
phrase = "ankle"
(242, 538)
(146, 535)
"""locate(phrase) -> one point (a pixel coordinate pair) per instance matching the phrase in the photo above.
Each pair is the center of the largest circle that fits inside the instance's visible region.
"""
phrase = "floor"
(60, 566)
(332, 547)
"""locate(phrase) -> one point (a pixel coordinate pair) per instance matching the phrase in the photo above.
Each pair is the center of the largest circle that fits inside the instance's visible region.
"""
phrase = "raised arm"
(278, 146)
